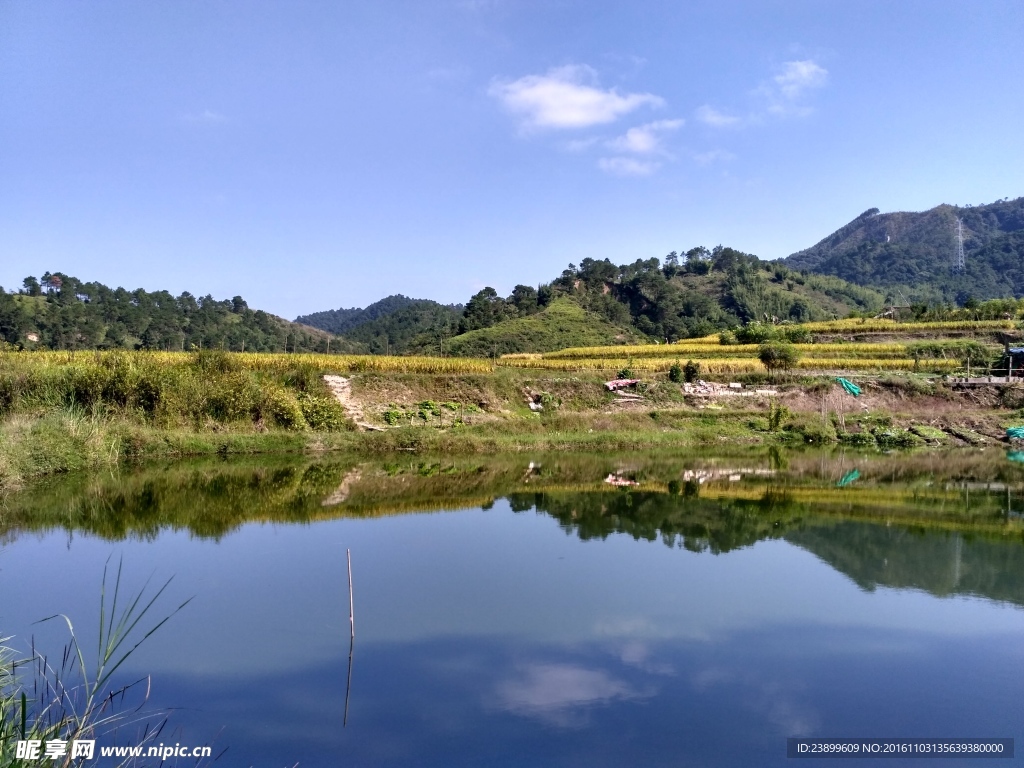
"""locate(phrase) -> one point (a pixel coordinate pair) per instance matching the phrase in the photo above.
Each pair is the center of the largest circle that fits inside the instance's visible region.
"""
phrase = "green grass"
(171, 391)
(563, 323)
(70, 440)
(929, 433)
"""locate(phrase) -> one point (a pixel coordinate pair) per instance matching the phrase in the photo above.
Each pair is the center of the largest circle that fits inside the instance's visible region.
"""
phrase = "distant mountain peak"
(915, 251)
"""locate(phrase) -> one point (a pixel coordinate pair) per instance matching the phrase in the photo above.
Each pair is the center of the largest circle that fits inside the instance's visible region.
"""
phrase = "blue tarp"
(848, 478)
(849, 386)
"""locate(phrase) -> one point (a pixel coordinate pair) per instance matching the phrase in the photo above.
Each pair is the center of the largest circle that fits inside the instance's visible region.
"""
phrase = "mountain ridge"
(914, 253)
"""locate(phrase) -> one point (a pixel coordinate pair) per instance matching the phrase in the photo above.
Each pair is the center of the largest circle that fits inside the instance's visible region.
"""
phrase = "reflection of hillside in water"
(714, 525)
(945, 523)
(942, 563)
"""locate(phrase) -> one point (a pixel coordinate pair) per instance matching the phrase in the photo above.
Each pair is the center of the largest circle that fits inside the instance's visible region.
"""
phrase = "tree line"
(59, 311)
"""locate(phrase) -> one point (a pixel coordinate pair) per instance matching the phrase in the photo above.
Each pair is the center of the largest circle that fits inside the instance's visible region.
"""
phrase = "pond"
(545, 610)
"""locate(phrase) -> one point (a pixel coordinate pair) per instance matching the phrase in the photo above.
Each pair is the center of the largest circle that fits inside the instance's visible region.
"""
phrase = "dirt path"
(341, 388)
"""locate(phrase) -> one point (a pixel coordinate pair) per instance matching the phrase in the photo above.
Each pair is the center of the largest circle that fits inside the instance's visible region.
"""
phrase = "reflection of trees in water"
(872, 529)
(940, 562)
(207, 499)
(686, 521)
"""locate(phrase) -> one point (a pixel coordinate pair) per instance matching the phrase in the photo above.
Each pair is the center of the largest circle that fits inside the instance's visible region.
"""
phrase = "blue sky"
(311, 155)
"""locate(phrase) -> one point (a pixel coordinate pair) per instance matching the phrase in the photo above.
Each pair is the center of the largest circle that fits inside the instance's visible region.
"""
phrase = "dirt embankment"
(341, 388)
(966, 415)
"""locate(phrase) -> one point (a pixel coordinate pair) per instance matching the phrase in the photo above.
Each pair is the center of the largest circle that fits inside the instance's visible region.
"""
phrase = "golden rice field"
(369, 363)
(648, 358)
(712, 339)
(881, 325)
(263, 361)
(729, 365)
(686, 349)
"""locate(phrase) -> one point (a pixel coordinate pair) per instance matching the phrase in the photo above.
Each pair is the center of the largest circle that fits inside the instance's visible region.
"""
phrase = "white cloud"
(713, 156)
(798, 76)
(567, 97)
(627, 166)
(711, 116)
(206, 116)
(645, 139)
(784, 95)
(785, 91)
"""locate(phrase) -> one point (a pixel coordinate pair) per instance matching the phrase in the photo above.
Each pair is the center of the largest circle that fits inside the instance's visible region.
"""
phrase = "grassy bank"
(68, 440)
(63, 413)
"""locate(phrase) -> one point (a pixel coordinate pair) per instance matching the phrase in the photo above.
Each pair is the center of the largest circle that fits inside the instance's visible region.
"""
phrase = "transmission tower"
(960, 264)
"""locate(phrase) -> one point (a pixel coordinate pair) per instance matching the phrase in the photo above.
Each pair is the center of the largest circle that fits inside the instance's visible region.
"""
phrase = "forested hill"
(693, 294)
(62, 312)
(389, 325)
(915, 252)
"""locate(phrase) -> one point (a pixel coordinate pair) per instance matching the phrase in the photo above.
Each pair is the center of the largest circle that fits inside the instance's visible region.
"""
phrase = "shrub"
(727, 339)
(777, 413)
(859, 439)
(322, 413)
(691, 371)
(234, 397)
(428, 408)
(84, 385)
(282, 409)
(813, 431)
(393, 416)
(549, 401)
(797, 334)
(675, 373)
(897, 438)
(757, 333)
(132, 383)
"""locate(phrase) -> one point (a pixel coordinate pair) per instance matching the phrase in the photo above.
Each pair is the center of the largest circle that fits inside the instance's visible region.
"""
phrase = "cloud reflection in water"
(559, 693)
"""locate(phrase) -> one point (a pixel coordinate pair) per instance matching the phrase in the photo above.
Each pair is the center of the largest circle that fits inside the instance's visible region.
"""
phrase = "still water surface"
(549, 613)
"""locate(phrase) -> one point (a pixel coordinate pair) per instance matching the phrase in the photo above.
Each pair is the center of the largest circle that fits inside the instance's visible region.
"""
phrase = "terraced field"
(936, 354)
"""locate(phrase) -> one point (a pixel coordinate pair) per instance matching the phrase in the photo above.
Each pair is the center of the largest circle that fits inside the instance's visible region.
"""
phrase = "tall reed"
(70, 700)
